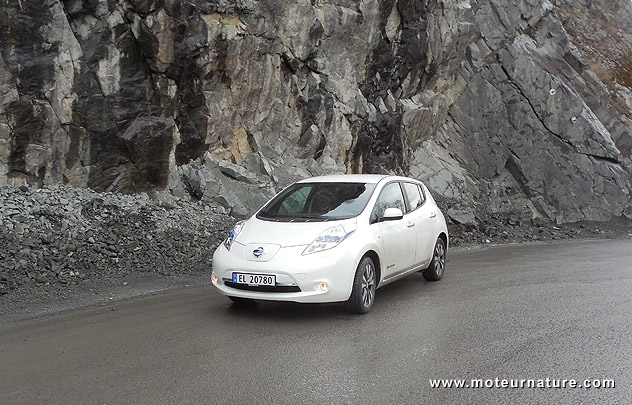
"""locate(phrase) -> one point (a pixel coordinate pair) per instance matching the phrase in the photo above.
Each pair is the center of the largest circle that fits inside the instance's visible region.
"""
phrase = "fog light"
(323, 287)
(214, 279)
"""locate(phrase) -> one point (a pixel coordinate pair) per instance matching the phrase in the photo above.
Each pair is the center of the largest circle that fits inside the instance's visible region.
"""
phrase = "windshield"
(318, 202)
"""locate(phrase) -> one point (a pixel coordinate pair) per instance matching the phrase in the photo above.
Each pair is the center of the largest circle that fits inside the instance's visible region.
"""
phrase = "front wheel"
(435, 270)
(363, 291)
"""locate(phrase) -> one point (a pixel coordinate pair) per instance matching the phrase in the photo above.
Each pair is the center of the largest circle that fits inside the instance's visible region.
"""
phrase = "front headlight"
(233, 234)
(330, 238)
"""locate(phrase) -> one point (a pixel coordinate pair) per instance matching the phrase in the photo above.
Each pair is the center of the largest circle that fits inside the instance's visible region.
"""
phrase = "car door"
(421, 216)
(398, 239)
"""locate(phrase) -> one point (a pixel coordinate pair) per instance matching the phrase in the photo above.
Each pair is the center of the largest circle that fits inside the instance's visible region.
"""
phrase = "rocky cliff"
(500, 106)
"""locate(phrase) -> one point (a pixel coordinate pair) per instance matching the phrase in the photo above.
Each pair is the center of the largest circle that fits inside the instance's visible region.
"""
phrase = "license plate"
(254, 279)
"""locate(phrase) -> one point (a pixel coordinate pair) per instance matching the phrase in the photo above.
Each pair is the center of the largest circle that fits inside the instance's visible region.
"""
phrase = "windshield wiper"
(300, 218)
(305, 218)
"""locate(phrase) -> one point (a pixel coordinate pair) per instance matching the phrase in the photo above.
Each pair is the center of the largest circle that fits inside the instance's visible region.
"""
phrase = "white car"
(334, 239)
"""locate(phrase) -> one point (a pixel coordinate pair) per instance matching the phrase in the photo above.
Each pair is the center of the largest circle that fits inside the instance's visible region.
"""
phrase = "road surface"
(556, 311)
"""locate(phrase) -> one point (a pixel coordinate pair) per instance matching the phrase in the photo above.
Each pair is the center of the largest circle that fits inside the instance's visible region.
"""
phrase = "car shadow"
(285, 311)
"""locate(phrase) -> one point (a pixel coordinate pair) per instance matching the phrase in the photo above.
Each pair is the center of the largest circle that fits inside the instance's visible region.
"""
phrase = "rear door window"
(414, 195)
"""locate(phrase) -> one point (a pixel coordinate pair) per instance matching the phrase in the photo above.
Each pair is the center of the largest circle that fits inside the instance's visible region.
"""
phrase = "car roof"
(351, 178)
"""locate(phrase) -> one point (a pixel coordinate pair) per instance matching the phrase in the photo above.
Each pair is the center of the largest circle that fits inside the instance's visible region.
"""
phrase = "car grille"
(263, 288)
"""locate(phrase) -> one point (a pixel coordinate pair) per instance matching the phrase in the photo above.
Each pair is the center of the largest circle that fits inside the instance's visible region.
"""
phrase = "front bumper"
(297, 277)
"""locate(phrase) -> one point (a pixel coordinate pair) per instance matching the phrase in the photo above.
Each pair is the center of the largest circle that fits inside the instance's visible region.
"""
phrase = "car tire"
(434, 272)
(363, 289)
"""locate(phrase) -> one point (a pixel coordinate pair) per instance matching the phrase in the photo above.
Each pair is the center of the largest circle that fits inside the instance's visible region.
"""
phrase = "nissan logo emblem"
(258, 252)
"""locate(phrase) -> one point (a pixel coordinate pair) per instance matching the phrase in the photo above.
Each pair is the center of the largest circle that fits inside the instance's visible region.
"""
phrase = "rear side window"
(390, 197)
(414, 194)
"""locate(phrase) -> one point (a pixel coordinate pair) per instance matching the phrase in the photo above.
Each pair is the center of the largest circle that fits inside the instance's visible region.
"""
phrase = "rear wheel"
(435, 270)
(363, 291)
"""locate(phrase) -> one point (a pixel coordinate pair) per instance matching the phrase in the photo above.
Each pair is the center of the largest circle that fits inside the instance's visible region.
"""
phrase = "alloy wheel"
(439, 258)
(368, 285)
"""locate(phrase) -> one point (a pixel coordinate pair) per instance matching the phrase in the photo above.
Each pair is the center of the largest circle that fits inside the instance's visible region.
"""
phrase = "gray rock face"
(500, 106)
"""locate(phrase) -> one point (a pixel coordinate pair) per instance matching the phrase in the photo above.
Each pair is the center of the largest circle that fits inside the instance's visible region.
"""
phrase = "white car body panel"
(406, 249)
(431, 222)
(397, 241)
(284, 233)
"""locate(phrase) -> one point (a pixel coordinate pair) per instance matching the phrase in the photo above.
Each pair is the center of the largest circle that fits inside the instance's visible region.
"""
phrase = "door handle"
(410, 224)
(433, 215)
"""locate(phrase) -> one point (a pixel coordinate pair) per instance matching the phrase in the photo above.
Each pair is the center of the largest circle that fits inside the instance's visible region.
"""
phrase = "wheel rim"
(439, 258)
(368, 285)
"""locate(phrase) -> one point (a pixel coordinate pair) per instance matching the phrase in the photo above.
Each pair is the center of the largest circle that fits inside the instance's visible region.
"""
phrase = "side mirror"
(392, 214)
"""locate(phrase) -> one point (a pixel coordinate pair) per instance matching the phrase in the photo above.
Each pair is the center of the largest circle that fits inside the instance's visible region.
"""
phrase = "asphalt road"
(558, 311)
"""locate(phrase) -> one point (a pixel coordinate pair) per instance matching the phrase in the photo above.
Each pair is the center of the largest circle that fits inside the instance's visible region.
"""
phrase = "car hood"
(286, 234)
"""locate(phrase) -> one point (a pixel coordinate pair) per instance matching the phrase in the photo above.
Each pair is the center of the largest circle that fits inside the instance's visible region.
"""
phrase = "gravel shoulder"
(65, 248)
